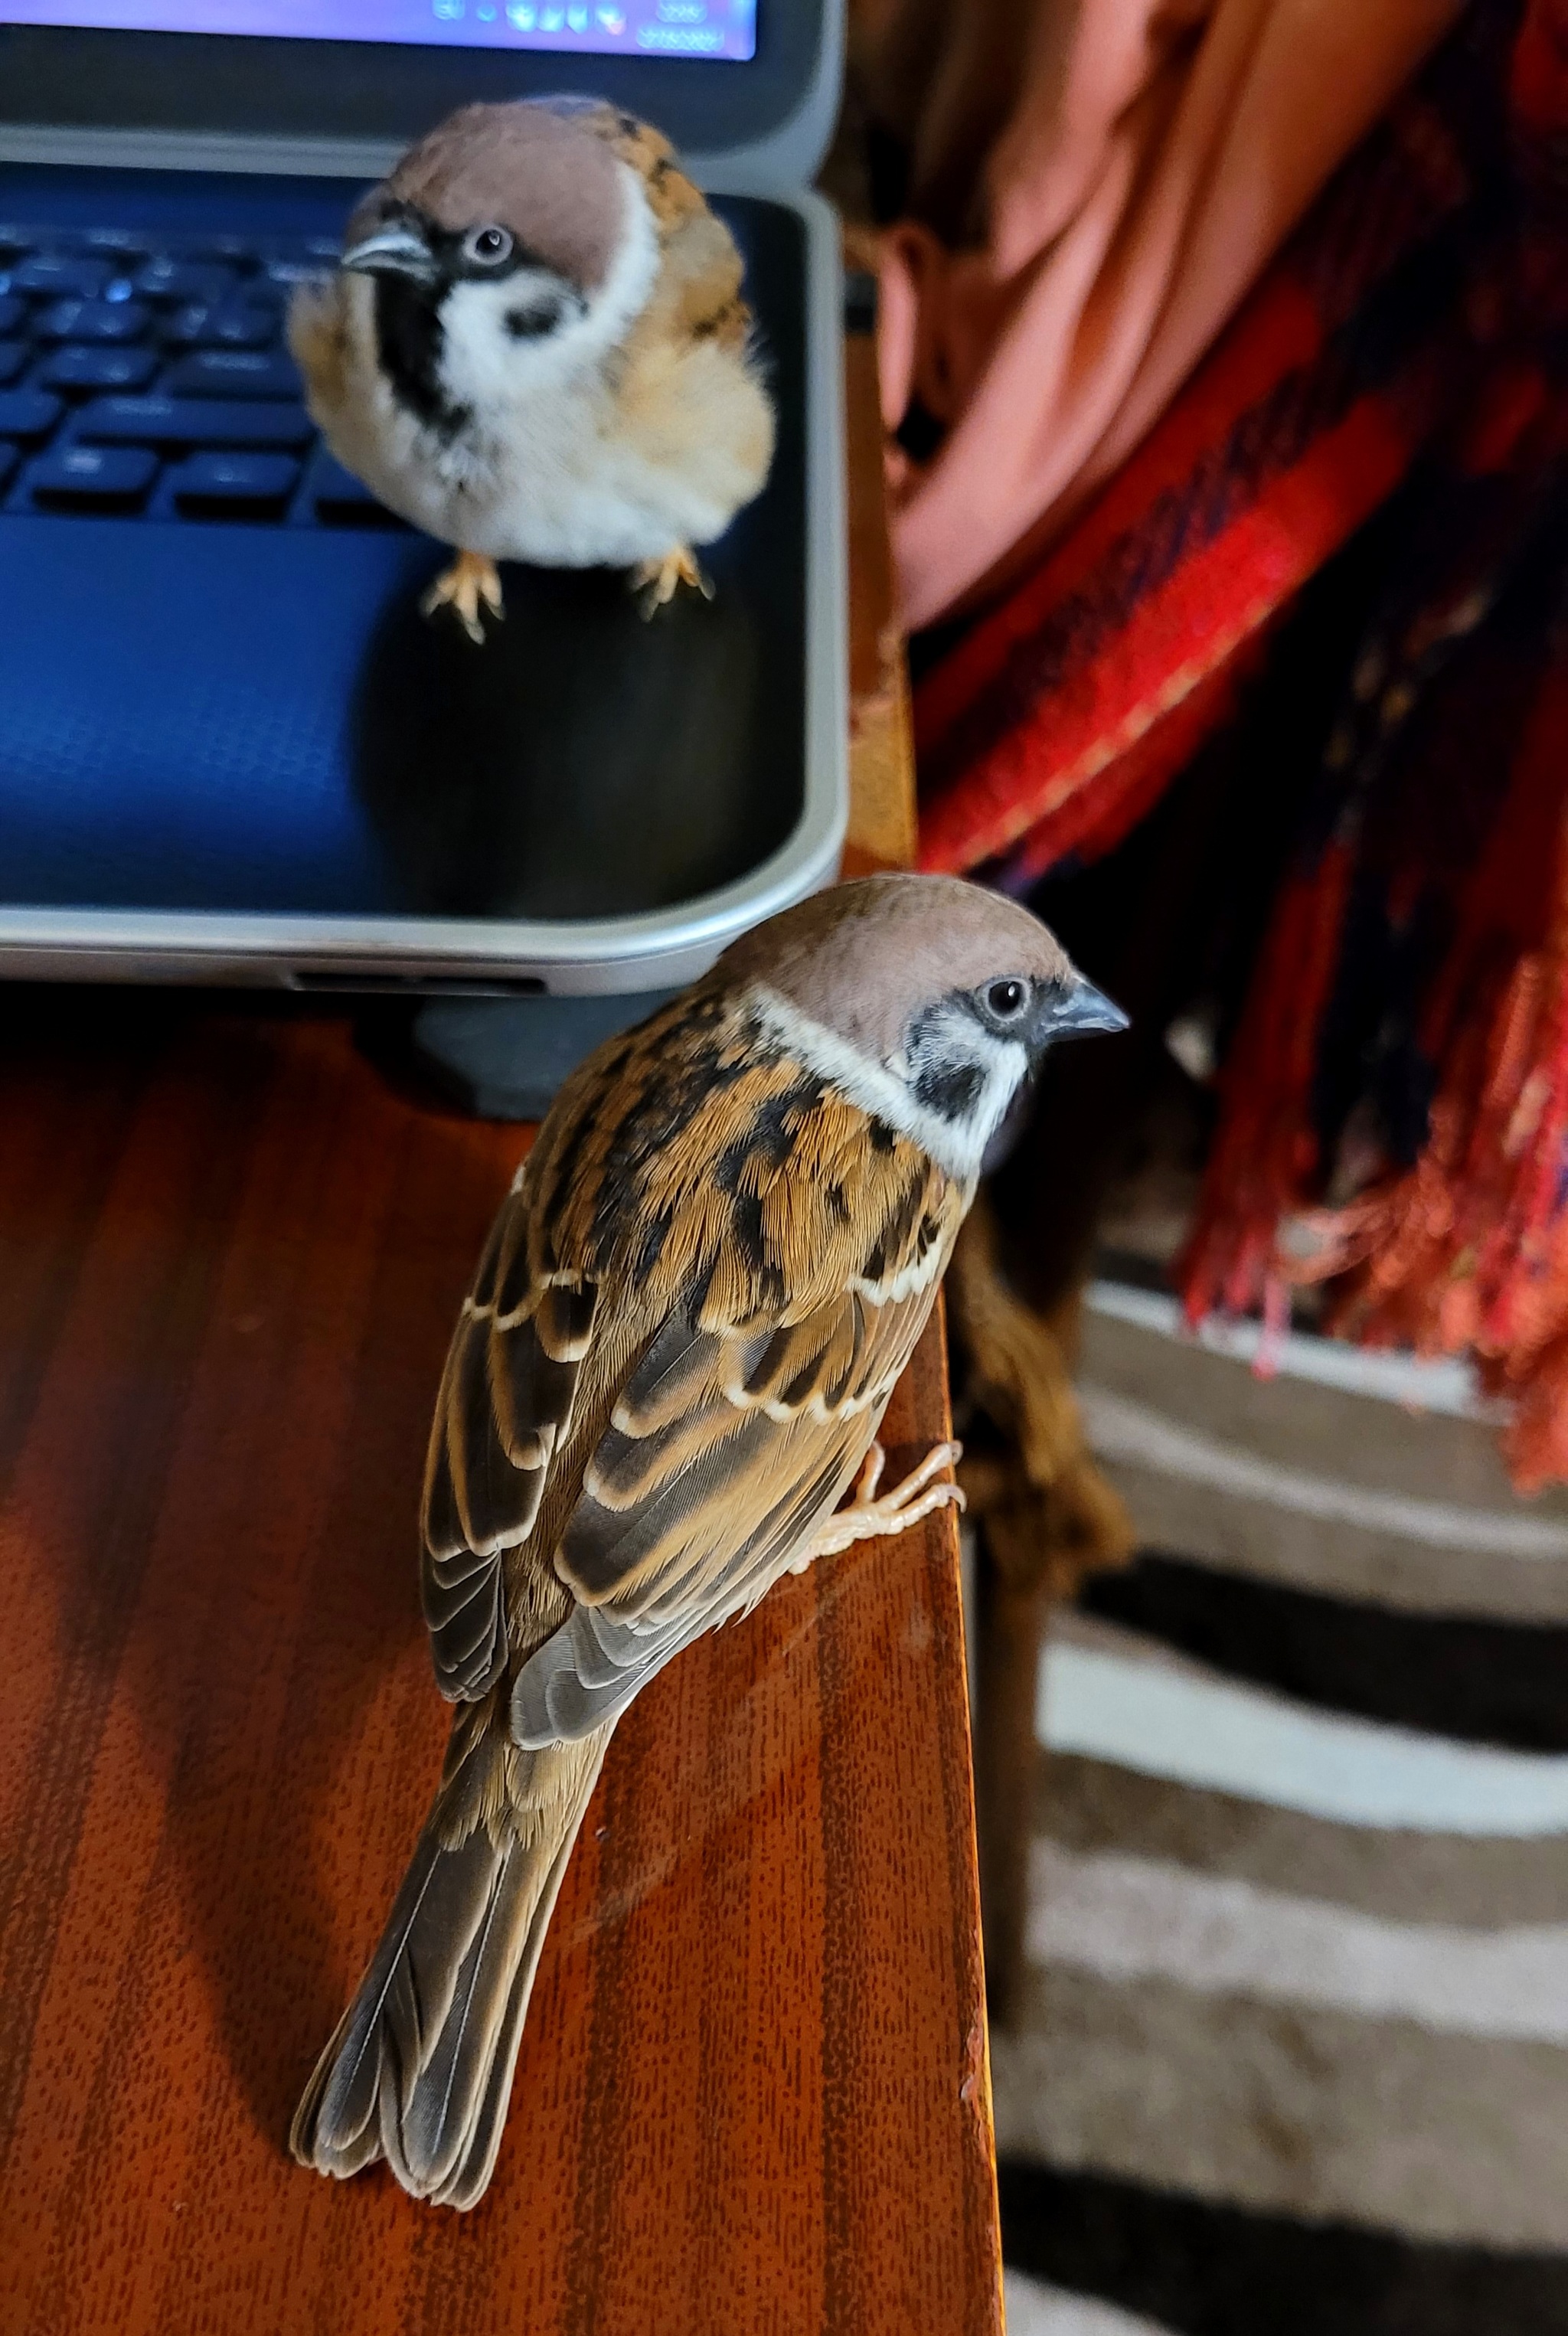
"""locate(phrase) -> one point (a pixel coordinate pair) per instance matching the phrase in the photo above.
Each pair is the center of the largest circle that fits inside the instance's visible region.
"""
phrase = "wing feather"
(682, 1335)
(505, 1403)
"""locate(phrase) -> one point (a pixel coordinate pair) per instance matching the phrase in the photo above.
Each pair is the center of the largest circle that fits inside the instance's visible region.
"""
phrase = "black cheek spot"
(952, 1091)
(538, 317)
(882, 1137)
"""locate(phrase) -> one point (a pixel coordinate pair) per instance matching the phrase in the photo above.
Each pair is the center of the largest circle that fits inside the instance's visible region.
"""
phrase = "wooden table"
(752, 2098)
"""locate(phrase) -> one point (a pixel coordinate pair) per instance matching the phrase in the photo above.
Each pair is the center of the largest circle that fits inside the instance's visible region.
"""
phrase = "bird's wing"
(726, 1448)
(505, 1404)
(795, 1245)
(687, 1320)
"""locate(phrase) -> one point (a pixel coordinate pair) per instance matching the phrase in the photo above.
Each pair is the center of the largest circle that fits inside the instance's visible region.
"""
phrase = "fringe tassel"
(1467, 1252)
(1267, 1153)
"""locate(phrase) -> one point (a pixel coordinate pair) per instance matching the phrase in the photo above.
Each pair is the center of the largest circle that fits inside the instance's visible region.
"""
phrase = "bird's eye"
(1007, 999)
(488, 245)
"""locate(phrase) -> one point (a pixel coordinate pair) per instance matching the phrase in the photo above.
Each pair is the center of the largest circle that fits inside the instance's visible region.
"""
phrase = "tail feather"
(418, 2068)
(471, 2177)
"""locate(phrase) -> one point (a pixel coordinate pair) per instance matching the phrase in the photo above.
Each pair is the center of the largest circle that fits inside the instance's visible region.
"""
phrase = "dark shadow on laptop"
(584, 762)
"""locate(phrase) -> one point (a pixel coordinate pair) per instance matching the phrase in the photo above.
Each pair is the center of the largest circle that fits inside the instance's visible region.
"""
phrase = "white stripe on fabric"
(1137, 1918)
(1198, 1730)
(1034, 2309)
(1140, 1437)
(1443, 1386)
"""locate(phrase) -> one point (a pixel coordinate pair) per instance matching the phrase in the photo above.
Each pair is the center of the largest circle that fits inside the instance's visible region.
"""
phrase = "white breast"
(545, 471)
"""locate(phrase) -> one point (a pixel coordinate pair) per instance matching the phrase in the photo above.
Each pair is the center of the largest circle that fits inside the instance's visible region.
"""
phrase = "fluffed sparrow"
(672, 1364)
(536, 349)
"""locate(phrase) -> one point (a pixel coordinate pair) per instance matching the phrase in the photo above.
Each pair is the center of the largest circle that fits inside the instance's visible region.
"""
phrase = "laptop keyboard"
(146, 377)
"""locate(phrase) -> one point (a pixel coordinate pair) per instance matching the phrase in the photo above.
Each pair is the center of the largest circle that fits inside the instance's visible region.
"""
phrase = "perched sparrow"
(673, 1363)
(536, 349)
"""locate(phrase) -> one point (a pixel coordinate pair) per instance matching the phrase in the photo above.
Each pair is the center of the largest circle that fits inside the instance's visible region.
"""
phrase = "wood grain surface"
(753, 2098)
(752, 2095)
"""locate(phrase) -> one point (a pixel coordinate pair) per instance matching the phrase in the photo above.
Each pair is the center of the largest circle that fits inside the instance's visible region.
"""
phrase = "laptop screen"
(700, 29)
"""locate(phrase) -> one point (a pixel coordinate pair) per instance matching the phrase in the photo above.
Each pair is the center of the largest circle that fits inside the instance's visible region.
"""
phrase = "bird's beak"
(1077, 1012)
(396, 249)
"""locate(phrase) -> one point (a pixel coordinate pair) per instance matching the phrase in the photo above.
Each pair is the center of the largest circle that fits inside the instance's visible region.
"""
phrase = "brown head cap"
(540, 167)
(862, 958)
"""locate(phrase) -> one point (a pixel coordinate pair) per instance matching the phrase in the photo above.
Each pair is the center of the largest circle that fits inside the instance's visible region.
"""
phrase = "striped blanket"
(1293, 2056)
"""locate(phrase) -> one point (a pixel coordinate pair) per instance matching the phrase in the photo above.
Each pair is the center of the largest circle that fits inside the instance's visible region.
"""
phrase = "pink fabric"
(1130, 167)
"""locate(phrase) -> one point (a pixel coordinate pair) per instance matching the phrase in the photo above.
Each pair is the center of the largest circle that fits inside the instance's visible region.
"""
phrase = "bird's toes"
(471, 580)
(659, 580)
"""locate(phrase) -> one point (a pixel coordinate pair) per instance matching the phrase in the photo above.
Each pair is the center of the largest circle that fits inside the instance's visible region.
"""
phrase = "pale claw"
(471, 579)
(658, 579)
(867, 1517)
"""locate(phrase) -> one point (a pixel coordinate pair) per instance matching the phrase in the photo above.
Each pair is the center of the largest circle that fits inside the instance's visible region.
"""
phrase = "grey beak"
(396, 249)
(1080, 1011)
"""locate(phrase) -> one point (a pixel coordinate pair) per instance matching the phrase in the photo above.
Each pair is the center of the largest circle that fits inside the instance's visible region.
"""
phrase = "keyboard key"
(106, 322)
(61, 277)
(93, 478)
(13, 355)
(27, 414)
(76, 370)
(224, 327)
(235, 373)
(190, 422)
(314, 250)
(164, 279)
(283, 274)
(126, 246)
(340, 499)
(229, 250)
(235, 486)
(12, 312)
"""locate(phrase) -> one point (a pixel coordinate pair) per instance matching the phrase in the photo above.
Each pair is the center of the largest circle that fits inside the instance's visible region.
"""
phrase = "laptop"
(231, 750)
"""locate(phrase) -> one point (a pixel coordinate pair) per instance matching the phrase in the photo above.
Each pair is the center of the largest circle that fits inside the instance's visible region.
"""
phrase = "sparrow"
(536, 349)
(671, 1367)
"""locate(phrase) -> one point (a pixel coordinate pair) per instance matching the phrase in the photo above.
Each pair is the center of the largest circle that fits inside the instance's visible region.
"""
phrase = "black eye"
(1007, 999)
(488, 245)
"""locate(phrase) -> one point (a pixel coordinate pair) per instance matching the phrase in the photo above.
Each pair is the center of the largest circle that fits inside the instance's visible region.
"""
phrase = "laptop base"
(508, 1057)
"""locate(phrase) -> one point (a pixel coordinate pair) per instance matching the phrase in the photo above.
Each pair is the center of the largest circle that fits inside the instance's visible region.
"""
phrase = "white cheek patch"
(968, 1074)
(492, 368)
(539, 304)
(885, 1089)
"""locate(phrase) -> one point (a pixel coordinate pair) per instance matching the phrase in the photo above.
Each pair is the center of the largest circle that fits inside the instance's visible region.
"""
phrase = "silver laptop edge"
(599, 957)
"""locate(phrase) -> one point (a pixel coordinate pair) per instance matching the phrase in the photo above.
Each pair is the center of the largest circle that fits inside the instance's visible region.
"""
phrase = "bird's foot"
(659, 580)
(922, 1492)
(471, 579)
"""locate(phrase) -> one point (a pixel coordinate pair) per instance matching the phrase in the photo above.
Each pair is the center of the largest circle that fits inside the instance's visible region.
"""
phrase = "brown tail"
(419, 2069)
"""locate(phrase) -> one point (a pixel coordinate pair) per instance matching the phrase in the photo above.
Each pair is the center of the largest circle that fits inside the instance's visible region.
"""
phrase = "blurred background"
(1222, 351)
